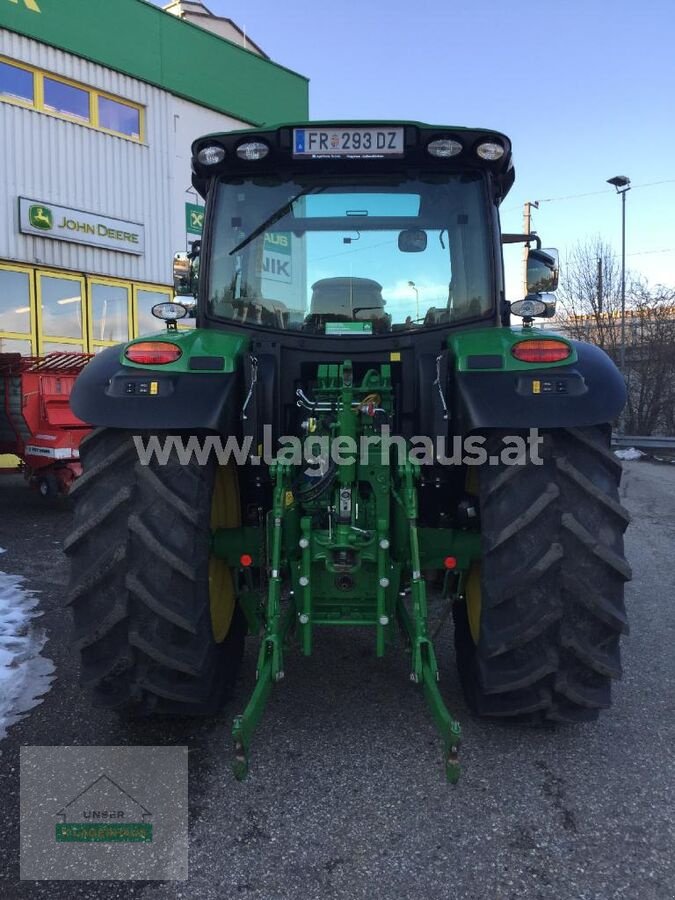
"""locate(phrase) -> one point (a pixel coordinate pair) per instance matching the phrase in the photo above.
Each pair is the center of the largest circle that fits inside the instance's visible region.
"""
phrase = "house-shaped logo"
(104, 812)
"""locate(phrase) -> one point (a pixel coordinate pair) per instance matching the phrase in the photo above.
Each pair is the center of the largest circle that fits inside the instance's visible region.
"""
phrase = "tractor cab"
(335, 231)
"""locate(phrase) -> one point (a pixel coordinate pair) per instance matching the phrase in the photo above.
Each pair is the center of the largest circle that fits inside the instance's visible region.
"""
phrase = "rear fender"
(202, 391)
(587, 389)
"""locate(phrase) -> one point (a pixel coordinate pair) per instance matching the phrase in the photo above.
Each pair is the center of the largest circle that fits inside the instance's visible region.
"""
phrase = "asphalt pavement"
(346, 797)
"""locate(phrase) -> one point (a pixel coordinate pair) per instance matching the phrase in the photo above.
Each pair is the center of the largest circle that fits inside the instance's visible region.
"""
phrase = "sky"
(585, 89)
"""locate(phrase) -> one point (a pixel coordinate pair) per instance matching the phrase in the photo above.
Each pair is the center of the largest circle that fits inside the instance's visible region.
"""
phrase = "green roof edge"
(263, 90)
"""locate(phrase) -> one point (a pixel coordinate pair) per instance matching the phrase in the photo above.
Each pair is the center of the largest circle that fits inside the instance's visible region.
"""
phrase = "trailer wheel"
(156, 621)
(48, 485)
(541, 639)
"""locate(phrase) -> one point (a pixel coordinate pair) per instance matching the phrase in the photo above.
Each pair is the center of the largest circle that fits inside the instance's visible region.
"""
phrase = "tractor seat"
(346, 299)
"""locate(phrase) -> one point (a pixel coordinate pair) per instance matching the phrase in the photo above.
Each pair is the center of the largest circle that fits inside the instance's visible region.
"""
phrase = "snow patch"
(630, 453)
(25, 675)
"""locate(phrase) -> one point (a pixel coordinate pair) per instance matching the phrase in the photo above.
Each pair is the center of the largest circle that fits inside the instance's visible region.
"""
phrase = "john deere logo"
(41, 217)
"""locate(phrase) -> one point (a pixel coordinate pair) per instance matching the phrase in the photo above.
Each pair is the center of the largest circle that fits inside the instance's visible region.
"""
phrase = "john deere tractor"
(354, 435)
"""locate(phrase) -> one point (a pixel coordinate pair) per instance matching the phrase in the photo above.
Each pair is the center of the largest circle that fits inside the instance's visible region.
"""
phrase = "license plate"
(330, 142)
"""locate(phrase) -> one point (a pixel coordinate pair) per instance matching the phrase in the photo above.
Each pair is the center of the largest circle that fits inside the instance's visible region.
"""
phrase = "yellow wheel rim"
(472, 587)
(225, 513)
(471, 480)
(473, 601)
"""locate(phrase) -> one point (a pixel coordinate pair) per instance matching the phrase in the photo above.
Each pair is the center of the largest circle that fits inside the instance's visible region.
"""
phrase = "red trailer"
(36, 422)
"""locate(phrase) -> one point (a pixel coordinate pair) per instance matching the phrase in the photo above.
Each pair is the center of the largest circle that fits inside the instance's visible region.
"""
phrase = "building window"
(145, 299)
(17, 315)
(109, 311)
(16, 83)
(10, 345)
(43, 310)
(61, 314)
(66, 99)
(59, 97)
(119, 117)
(15, 301)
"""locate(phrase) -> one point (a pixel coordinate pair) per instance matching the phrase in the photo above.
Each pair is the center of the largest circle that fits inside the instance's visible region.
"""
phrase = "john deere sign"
(64, 224)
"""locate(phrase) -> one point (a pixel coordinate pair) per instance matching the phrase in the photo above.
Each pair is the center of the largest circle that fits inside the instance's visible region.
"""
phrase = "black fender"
(590, 391)
(108, 393)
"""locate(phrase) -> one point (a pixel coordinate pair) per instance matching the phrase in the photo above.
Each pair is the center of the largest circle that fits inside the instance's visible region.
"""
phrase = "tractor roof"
(280, 143)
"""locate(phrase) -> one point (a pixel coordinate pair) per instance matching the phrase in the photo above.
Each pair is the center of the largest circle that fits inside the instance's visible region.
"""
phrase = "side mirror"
(186, 273)
(542, 271)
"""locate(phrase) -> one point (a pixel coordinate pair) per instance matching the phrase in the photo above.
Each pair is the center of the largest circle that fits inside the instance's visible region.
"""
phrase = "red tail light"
(450, 562)
(153, 353)
(546, 351)
(246, 560)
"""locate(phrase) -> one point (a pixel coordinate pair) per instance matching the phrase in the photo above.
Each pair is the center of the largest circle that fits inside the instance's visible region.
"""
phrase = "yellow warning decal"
(395, 356)
(289, 498)
(536, 386)
(154, 388)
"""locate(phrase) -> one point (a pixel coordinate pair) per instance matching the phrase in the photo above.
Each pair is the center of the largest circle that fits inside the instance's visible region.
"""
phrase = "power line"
(646, 252)
(593, 193)
(596, 193)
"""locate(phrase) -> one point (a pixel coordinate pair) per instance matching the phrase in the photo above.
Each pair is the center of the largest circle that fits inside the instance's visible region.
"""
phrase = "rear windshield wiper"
(279, 214)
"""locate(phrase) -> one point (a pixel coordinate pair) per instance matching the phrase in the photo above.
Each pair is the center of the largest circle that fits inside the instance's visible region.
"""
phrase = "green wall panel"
(137, 38)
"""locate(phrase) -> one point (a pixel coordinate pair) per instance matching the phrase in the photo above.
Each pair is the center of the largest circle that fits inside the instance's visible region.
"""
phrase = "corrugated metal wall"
(55, 161)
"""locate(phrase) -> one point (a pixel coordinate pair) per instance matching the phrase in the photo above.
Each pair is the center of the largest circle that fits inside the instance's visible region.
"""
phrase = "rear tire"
(552, 583)
(139, 585)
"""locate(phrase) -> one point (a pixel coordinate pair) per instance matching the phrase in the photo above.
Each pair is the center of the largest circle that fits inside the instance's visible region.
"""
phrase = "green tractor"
(353, 435)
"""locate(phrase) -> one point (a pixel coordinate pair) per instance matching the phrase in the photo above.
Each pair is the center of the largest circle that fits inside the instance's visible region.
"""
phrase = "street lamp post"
(622, 185)
(417, 297)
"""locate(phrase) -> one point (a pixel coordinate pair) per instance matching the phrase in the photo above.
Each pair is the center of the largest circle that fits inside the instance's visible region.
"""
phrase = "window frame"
(44, 338)
(93, 93)
(32, 335)
(150, 288)
(97, 95)
(128, 286)
(20, 101)
(58, 114)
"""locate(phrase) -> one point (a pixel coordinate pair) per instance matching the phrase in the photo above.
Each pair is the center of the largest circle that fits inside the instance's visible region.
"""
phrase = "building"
(99, 104)
(197, 13)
